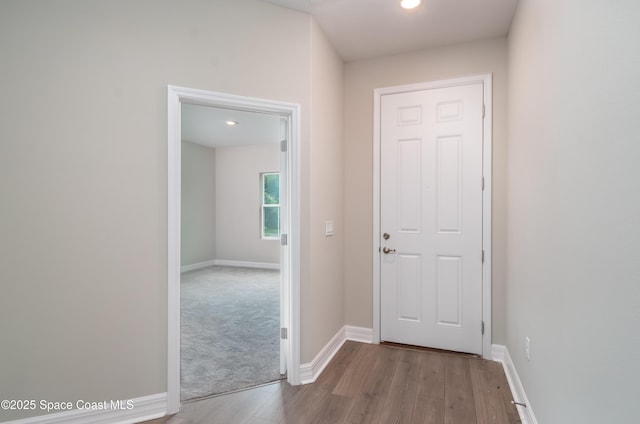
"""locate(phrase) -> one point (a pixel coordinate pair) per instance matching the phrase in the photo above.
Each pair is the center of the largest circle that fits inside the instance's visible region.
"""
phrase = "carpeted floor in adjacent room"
(230, 321)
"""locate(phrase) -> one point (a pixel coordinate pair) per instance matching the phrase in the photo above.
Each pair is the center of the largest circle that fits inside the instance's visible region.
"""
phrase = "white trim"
(198, 265)
(227, 262)
(487, 231)
(291, 256)
(500, 353)
(358, 334)
(376, 215)
(174, 154)
(486, 80)
(143, 409)
(310, 372)
(247, 264)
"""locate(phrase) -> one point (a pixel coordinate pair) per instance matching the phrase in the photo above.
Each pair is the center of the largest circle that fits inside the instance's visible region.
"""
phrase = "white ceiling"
(361, 29)
(207, 126)
(358, 29)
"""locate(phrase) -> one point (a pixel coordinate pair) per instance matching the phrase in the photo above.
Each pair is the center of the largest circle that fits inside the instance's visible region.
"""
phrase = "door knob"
(386, 250)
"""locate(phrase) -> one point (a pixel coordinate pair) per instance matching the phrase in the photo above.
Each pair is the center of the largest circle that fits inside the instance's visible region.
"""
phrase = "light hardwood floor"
(368, 384)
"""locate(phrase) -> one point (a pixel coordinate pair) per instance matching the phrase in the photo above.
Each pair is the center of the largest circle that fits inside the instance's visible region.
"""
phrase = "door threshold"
(429, 349)
(282, 379)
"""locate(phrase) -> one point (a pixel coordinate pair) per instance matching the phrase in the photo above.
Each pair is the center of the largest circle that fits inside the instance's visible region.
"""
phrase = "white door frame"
(291, 257)
(485, 79)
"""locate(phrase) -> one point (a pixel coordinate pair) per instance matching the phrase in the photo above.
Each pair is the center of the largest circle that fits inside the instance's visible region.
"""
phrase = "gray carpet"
(230, 320)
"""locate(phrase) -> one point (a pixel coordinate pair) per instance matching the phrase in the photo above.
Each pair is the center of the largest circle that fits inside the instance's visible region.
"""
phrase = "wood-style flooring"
(367, 384)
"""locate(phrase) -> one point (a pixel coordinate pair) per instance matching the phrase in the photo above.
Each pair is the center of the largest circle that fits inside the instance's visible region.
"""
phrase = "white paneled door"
(431, 217)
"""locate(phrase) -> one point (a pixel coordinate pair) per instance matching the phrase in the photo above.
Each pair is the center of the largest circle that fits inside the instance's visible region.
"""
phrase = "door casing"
(290, 260)
(486, 80)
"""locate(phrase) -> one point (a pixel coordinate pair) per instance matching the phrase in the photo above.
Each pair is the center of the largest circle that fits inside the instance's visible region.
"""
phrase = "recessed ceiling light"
(232, 123)
(410, 4)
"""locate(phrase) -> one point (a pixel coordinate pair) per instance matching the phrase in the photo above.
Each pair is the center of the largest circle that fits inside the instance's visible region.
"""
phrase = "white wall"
(361, 78)
(238, 195)
(221, 203)
(198, 196)
(83, 175)
(574, 208)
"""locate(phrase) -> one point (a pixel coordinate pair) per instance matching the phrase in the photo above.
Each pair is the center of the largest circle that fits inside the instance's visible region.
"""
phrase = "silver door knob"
(386, 250)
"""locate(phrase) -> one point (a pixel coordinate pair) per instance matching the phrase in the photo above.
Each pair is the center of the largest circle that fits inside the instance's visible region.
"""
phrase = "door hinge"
(482, 328)
(482, 255)
(483, 111)
(283, 145)
(482, 183)
(284, 240)
(283, 333)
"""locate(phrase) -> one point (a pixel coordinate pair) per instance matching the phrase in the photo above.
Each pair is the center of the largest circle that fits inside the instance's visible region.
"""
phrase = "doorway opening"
(230, 250)
(235, 267)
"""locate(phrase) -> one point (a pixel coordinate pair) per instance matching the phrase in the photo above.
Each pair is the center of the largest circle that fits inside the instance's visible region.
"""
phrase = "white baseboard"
(311, 371)
(500, 353)
(247, 264)
(225, 262)
(358, 334)
(198, 265)
(142, 409)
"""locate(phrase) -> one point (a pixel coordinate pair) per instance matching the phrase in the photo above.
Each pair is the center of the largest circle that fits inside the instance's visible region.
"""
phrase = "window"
(270, 211)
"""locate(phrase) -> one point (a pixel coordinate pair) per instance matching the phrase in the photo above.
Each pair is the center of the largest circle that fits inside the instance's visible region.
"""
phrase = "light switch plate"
(328, 228)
